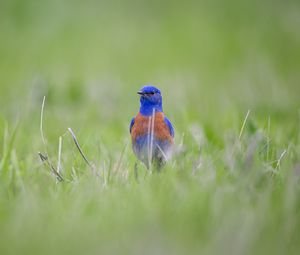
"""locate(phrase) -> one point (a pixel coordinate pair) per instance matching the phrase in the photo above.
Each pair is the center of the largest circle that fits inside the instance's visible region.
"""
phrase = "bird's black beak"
(141, 93)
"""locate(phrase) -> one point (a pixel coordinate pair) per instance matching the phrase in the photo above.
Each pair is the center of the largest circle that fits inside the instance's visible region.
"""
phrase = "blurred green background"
(213, 60)
(202, 54)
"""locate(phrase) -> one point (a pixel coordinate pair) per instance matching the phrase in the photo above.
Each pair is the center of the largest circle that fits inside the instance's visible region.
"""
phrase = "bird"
(152, 133)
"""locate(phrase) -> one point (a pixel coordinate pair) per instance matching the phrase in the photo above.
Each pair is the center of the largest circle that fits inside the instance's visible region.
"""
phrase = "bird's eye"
(151, 93)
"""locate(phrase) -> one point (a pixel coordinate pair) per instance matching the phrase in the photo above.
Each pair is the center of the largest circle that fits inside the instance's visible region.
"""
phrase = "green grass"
(214, 61)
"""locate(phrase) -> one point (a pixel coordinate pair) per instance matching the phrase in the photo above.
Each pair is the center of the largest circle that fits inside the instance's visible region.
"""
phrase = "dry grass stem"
(244, 123)
(80, 150)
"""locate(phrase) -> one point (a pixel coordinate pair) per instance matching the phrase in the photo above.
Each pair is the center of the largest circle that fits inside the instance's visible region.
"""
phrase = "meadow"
(229, 72)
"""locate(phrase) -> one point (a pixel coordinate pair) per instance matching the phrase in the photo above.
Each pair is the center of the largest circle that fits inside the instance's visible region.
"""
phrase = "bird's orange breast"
(143, 126)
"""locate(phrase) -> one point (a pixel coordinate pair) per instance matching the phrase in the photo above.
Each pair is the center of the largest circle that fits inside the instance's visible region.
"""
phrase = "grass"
(229, 74)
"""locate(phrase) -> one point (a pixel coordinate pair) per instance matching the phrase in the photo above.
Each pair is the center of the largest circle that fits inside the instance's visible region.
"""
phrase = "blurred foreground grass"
(214, 61)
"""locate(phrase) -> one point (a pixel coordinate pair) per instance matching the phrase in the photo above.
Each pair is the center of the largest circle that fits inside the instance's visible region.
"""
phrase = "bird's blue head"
(150, 99)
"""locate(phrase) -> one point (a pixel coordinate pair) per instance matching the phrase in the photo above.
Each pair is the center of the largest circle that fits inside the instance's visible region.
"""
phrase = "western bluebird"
(151, 132)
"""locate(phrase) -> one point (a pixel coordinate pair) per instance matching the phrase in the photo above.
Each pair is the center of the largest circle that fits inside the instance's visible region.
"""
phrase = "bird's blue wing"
(169, 124)
(131, 124)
